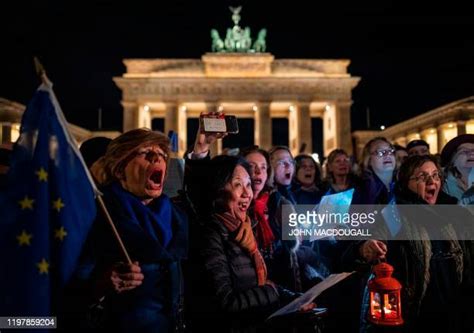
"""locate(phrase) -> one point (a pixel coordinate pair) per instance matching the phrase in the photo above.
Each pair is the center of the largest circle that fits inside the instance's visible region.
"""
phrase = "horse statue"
(260, 44)
(217, 43)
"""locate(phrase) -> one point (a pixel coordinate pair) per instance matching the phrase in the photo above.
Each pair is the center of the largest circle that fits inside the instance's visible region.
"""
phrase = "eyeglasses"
(285, 163)
(383, 152)
(423, 177)
(151, 155)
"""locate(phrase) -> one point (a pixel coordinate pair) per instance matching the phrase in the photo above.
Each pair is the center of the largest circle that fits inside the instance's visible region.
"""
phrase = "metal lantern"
(385, 304)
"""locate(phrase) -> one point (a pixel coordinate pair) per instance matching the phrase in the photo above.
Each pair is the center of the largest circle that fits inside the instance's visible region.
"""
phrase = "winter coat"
(430, 271)
(229, 283)
(372, 191)
(154, 306)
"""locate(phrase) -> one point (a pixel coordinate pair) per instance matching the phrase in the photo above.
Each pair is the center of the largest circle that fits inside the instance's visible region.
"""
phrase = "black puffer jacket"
(229, 283)
(232, 274)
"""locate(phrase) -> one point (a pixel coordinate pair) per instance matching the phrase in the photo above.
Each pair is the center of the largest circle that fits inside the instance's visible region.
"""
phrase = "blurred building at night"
(10, 120)
(436, 127)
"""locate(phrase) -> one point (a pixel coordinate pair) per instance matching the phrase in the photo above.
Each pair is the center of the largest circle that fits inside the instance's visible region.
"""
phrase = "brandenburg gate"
(241, 79)
(249, 85)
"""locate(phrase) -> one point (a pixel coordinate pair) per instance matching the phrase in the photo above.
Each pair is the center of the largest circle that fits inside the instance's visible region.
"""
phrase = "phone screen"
(222, 124)
(214, 125)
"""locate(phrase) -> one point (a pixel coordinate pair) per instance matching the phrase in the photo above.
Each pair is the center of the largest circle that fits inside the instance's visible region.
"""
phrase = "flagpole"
(114, 229)
(42, 74)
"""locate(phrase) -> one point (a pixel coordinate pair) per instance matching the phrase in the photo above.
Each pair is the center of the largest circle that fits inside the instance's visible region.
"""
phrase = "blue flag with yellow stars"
(47, 210)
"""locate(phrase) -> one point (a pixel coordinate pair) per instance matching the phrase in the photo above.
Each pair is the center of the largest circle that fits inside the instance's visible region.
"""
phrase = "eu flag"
(47, 210)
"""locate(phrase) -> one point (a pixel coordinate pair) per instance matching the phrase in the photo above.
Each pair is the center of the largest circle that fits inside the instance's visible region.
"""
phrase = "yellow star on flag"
(60, 233)
(26, 203)
(58, 204)
(24, 238)
(42, 175)
(43, 266)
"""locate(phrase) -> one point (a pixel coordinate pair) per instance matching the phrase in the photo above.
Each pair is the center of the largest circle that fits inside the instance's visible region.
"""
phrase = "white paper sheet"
(311, 294)
(338, 203)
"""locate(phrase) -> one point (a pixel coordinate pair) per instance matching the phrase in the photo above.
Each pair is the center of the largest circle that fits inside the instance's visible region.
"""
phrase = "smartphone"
(211, 123)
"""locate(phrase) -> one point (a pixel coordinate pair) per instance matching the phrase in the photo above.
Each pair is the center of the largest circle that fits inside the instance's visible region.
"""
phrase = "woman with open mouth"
(458, 159)
(430, 261)
(143, 296)
(307, 186)
(235, 277)
(283, 166)
(378, 166)
(281, 256)
(339, 172)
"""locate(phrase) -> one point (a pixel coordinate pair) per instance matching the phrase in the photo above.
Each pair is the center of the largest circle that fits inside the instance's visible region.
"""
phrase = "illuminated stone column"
(329, 130)
(461, 125)
(343, 125)
(216, 147)
(144, 116)
(431, 138)
(130, 116)
(175, 120)
(439, 133)
(299, 121)
(304, 128)
(293, 141)
(263, 126)
(182, 130)
(448, 131)
(171, 117)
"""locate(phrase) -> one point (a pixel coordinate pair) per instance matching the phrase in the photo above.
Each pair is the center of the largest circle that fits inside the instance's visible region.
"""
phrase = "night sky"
(411, 58)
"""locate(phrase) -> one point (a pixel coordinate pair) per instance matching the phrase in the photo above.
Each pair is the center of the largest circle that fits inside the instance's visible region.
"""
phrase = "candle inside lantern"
(385, 306)
(390, 309)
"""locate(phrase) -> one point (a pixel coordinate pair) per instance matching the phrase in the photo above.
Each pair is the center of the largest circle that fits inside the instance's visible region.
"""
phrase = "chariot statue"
(238, 39)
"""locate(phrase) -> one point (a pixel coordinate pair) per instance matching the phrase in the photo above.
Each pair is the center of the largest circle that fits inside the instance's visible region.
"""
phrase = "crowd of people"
(214, 257)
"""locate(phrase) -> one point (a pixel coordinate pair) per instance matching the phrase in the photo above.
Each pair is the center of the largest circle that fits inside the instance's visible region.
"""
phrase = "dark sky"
(411, 58)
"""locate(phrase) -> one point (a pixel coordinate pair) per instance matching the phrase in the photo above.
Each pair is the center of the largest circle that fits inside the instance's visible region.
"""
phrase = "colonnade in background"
(438, 136)
(335, 117)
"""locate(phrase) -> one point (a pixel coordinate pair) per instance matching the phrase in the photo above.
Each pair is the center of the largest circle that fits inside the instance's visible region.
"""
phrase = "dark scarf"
(154, 218)
(244, 237)
(419, 239)
(264, 232)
